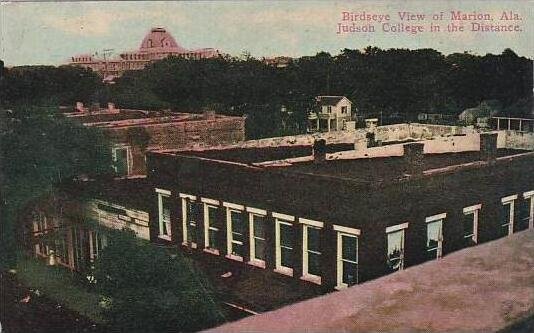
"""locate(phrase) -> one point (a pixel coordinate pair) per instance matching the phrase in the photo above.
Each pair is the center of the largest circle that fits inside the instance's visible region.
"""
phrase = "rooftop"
(112, 117)
(299, 159)
(329, 100)
(450, 294)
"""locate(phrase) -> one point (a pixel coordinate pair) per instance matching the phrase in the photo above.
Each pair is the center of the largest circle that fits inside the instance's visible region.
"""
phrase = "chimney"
(209, 114)
(79, 107)
(319, 151)
(361, 144)
(111, 107)
(413, 157)
(488, 146)
(95, 107)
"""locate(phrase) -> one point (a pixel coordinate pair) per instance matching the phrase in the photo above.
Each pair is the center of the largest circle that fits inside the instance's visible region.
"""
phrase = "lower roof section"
(483, 289)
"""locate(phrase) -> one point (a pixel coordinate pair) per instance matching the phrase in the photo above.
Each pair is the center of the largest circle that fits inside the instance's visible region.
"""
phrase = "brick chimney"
(488, 146)
(209, 114)
(413, 157)
(319, 151)
(79, 107)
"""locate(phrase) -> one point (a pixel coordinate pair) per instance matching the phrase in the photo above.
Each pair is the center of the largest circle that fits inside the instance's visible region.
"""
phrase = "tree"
(151, 290)
(39, 150)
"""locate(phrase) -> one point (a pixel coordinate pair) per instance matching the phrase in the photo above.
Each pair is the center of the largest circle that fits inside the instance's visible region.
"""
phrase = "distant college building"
(157, 44)
(134, 132)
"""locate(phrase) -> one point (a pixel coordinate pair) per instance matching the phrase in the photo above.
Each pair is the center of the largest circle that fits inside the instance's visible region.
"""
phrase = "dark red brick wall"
(177, 135)
(368, 206)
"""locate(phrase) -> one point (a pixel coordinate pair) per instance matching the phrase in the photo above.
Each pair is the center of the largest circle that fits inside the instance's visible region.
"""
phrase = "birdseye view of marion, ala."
(267, 166)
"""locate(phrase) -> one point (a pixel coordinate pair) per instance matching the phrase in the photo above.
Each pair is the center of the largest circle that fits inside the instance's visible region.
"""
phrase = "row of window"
(194, 208)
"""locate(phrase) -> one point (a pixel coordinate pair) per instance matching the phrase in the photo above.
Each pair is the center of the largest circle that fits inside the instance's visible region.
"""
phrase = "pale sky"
(51, 32)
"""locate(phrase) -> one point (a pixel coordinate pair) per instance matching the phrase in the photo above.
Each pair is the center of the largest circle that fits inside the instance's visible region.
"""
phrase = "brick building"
(339, 219)
(134, 132)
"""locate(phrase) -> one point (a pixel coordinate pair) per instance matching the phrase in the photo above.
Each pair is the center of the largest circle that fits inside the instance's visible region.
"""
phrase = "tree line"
(391, 82)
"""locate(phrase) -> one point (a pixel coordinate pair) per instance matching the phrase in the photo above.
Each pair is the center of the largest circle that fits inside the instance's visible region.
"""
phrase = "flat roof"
(299, 159)
(105, 118)
(446, 295)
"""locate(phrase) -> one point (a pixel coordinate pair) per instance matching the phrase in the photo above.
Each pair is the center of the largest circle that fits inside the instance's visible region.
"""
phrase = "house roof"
(330, 100)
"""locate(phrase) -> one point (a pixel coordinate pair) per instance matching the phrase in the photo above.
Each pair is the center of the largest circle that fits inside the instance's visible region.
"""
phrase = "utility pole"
(106, 53)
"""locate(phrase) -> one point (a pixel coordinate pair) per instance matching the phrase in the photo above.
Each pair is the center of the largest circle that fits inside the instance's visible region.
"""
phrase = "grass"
(59, 284)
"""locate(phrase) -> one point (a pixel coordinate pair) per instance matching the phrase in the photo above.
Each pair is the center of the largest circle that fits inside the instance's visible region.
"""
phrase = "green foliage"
(48, 86)
(151, 290)
(61, 285)
(39, 150)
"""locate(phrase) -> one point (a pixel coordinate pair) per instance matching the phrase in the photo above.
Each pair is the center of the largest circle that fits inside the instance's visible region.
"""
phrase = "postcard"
(267, 166)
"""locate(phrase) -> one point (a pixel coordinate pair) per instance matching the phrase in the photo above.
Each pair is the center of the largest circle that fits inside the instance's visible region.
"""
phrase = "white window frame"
(307, 224)
(348, 232)
(161, 194)
(530, 196)
(475, 210)
(253, 212)
(232, 207)
(434, 219)
(128, 157)
(279, 220)
(393, 229)
(509, 200)
(207, 205)
(186, 198)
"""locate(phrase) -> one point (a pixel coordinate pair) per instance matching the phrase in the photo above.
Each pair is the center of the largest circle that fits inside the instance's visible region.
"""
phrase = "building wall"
(178, 135)
(115, 216)
(370, 207)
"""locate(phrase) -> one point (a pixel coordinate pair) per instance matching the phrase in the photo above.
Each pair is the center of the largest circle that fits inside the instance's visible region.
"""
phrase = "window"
(121, 160)
(97, 242)
(395, 246)
(235, 230)
(470, 224)
(257, 218)
(311, 250)
(164, 214)
(347, 256)
(343, 109)
(329, 109)
(526, 211)
(189, 219)
(507, 216)
(284, 243)
(434, 236)
(211, 225)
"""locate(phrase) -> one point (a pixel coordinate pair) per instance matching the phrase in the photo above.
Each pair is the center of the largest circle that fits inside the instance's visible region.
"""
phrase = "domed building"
(157, 44)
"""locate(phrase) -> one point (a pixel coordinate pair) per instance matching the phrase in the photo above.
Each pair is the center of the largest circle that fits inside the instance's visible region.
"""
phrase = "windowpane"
(212, 239)
(350, 273)
(314, 263)
(238, 226)
(505, 214)
(165, 223)
(314, 240)
(286, 257)
(259, 226)
(192, 232)
(286, 235)
(433, 234)
(237, 249)
(524, 214)
(395, 249)
(121, 161)
(259, 249)
(349, 246)
(468, 222)
(212, 217)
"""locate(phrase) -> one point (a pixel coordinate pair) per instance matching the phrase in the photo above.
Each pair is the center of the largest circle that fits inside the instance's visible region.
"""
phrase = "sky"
(50, 32)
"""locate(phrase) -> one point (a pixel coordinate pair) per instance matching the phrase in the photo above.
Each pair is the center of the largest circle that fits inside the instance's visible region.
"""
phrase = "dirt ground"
(18, 313)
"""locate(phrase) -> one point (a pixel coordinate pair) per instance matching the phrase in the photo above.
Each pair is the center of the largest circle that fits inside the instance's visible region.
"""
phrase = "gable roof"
(330, 100)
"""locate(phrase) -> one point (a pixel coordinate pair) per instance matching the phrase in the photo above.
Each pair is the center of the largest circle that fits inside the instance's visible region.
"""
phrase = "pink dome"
(159, 40)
